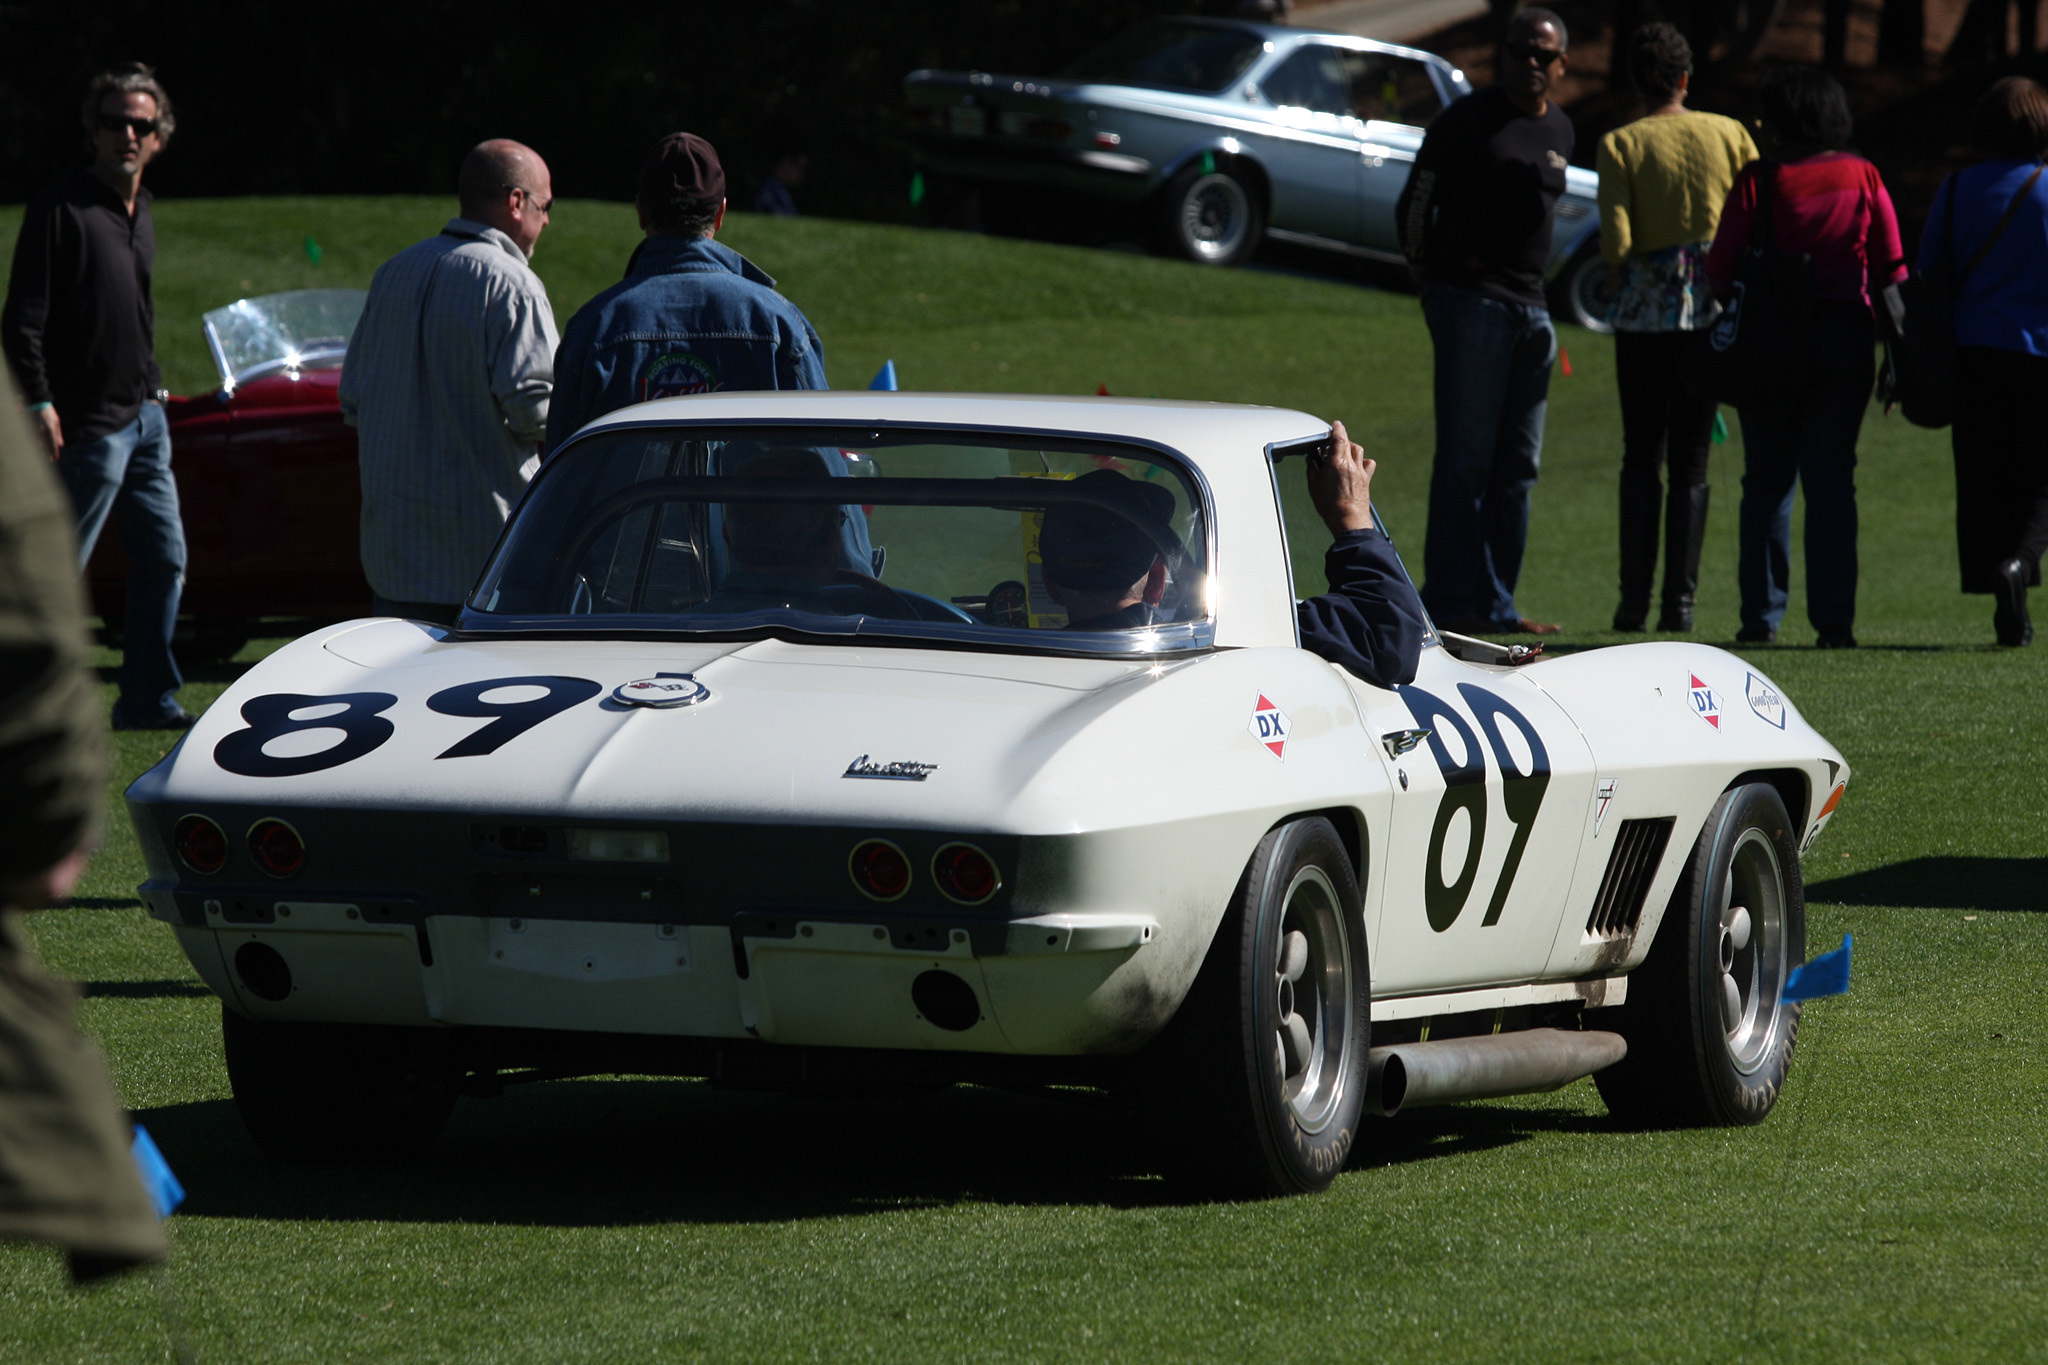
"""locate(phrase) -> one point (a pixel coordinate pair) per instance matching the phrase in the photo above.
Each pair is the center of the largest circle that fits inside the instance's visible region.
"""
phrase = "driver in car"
(783, 553)
(1105, 567)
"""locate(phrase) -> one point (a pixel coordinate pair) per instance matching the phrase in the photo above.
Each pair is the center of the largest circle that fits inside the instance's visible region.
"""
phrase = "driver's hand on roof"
(1341, 484)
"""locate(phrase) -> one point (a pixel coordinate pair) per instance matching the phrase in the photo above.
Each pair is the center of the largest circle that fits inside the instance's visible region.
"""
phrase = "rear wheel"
(1710, 1034)
(332, 1092)
(1211, 216)
(1258, 1083)
(1583, 290)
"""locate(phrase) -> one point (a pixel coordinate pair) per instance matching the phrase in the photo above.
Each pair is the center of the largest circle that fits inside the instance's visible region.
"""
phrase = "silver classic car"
(1230, 132)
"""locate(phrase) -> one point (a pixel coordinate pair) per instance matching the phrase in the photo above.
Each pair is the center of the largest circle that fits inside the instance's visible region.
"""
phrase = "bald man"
(447, 383)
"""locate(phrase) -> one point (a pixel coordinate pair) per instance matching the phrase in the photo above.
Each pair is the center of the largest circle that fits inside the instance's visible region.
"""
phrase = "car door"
(1314, 155)
(1493, 784)
(1393, 99)
(1492, 788)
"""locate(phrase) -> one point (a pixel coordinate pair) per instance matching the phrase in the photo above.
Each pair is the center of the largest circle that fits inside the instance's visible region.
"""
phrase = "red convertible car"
(266, 479)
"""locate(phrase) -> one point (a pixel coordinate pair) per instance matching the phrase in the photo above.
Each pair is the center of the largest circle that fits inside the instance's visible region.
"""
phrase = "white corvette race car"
(689, 793)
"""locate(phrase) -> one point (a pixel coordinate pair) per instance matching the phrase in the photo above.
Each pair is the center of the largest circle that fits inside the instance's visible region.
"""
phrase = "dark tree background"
(384, 98)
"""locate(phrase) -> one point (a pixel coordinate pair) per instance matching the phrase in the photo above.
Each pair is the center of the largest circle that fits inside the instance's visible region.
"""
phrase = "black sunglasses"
(114, 123)
(1530, 52)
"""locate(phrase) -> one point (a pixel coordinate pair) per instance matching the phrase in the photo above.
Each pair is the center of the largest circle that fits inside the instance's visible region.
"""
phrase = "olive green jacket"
(65, 1172)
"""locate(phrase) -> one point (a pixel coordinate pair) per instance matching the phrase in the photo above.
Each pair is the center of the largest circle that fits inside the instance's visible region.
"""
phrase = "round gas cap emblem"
(662, 691)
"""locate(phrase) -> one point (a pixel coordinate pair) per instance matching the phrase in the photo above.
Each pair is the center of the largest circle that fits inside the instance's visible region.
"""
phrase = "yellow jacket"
(1664, 179)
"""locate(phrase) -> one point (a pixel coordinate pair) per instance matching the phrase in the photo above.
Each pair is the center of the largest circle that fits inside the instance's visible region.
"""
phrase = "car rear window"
(1071, 546)
(1171, 54)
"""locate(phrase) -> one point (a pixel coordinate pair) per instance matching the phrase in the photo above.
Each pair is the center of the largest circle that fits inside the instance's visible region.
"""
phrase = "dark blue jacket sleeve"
(1370, 621)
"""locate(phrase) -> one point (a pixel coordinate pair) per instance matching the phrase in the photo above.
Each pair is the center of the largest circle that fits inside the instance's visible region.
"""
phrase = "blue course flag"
(1827, 974)
(164, 1190)
(885, 378)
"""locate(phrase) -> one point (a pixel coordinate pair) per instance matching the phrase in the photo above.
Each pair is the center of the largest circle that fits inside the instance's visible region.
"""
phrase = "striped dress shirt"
(447, 383)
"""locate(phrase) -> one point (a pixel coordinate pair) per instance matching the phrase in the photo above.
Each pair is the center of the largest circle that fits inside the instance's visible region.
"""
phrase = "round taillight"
(276, 847)
(879, 869)
(965, 874)
(200, 844)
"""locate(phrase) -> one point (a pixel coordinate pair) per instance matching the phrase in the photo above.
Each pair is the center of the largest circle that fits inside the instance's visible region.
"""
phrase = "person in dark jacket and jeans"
(1831, 206)
(691, 316)
(80, 330)
(2001, 318)
(1475, 221)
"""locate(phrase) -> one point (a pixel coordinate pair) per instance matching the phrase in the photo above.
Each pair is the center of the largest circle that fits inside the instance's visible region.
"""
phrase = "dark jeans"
(436, 613)
(126, 475)
(2001, 445)
(1810, 441)
(1660, 422)
(1492, 385)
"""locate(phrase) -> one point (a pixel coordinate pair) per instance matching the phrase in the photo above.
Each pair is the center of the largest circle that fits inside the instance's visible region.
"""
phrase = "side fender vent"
(1631, 867)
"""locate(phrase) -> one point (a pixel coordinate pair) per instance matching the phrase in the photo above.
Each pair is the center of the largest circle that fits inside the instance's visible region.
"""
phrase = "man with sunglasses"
(447, 382)
(80, 330)
(1475, 221)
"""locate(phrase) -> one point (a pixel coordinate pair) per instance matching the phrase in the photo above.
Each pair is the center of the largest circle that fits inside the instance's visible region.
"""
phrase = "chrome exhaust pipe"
(1410, 1075)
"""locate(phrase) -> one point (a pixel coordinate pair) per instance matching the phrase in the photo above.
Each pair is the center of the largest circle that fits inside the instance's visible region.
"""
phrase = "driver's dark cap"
(682, 169)
(1105, 549)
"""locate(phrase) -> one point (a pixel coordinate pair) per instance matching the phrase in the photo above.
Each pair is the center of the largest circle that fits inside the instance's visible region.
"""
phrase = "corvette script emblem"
(902, 770)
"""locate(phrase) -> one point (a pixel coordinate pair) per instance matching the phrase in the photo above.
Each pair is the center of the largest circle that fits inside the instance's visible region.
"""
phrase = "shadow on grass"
(623, 1152)
(1458, 1129)
(144, 990)
(609, 1153)
(2018, 884)
(103, 903)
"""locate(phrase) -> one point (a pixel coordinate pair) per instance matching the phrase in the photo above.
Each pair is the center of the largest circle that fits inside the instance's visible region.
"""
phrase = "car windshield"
(305, 329)
(1171, 54)
(971, 537)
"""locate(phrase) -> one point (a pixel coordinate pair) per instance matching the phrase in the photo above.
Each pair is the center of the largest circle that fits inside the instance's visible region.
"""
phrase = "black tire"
(1710, 1035)
(332, 1092)
(1211, 216)
(1257, 1086)
(1581, 292)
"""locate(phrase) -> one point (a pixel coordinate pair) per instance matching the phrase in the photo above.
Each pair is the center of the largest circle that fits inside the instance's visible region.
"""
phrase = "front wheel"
(1260, 1079)
(1211, 216)
(1710, 1034)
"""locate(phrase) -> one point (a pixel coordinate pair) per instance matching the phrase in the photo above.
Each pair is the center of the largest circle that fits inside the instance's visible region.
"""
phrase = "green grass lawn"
(1894, 1208)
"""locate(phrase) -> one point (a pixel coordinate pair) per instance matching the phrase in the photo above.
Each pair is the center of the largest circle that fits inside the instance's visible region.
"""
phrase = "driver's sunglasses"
(531, 198)
(114, 123)
(1531, 52)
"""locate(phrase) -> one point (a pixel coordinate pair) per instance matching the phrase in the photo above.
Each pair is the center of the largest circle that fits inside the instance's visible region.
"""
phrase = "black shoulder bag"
(1758, 349)
(1919, 316)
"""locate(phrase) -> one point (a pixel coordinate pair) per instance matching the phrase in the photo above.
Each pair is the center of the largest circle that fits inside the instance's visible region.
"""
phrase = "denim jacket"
(691, 316)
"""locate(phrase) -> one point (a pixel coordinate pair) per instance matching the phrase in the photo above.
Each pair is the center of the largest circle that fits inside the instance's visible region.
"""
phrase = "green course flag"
(917, 187)
(312, 249)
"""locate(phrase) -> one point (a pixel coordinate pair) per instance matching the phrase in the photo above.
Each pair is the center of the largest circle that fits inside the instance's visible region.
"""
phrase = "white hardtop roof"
(1214, 436)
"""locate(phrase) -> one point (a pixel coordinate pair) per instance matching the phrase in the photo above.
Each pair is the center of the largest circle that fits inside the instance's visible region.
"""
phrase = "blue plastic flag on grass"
(164, 1190)
(885, 378)
(1827, 974)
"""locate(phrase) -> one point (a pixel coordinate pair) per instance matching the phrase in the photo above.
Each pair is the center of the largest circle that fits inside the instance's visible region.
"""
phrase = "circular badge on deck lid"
(662, 691)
